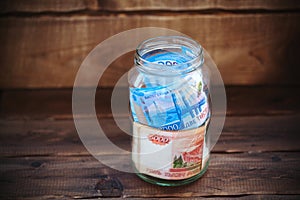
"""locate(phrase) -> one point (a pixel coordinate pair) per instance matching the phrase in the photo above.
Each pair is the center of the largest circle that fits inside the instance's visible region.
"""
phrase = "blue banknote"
(170, 104)
(172, 107)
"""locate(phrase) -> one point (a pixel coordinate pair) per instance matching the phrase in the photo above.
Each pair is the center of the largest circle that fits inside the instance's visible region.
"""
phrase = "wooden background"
(44, 42)
(255, 44)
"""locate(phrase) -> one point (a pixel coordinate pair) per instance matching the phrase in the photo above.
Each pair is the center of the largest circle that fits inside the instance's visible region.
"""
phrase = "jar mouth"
(169, 55)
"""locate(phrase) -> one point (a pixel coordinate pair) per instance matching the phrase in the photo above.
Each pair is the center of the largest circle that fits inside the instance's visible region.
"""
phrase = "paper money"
(178, 106)
(169, 103)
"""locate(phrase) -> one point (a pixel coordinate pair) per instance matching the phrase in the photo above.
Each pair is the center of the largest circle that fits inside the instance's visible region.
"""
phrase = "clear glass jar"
(169, 103)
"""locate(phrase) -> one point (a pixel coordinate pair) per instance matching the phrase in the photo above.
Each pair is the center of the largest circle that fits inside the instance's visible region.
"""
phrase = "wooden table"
(42, 157)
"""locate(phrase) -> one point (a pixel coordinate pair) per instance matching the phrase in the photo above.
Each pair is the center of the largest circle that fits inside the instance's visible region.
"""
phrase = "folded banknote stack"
(172, 104)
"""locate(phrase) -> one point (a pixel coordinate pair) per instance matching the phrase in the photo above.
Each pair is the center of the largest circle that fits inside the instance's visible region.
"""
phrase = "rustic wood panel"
(44, 159)
(240, 134)
(47, 51)
(242, 197)
(181, 5)
(76, 177)
(57, 103)
(256, 157)
(8, 6)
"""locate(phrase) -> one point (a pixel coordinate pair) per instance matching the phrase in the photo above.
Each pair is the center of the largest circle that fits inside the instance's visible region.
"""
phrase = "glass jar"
(170, 109)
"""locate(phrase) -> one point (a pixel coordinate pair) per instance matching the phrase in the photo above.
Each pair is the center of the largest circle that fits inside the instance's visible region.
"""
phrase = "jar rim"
(196, 61)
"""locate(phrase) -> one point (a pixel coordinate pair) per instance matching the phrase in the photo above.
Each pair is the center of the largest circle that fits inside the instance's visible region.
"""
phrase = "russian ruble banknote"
(179, 104)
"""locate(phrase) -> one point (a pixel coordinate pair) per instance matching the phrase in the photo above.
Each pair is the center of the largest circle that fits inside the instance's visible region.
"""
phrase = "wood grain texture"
(9, 6)
(242, 197)
(181, 5)
(57, 103)
(240, 134)
(76, 177)
(37, 6)
(256, 157)
(46, 51)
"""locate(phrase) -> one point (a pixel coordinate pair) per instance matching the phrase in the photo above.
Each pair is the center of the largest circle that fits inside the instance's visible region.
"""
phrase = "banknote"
(179, 105)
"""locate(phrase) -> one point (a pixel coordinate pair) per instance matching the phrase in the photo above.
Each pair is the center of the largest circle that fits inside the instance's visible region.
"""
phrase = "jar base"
(164, 182)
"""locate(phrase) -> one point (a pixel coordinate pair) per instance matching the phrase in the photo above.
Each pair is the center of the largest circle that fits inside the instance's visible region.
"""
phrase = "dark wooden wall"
(43, 42)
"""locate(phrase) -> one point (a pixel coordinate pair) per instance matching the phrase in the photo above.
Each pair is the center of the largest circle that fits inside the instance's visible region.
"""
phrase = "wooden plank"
(248, 48)
(243, 197)
(8, 6)
(180, 5)
(257, 157)
(57, 103)
(262, 100)
(76, 177)
(240, 134)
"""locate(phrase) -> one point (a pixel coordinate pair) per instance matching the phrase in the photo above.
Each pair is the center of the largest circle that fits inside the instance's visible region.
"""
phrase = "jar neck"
(169, 56)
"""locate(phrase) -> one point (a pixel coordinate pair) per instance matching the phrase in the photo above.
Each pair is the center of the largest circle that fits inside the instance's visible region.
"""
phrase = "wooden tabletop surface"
(42, 157)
